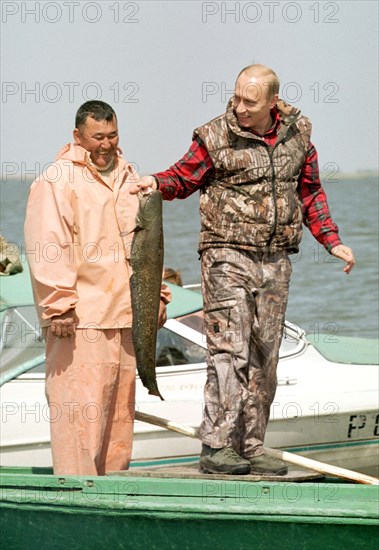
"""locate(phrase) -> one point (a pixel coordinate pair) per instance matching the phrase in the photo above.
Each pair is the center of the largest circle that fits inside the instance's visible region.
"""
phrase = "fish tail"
(156, 392)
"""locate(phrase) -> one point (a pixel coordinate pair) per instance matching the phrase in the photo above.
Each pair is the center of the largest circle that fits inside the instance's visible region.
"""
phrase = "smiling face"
(252, 102)
(100, 139)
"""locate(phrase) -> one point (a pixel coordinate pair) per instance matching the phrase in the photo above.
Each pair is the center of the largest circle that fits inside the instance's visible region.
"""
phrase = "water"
(322, 297)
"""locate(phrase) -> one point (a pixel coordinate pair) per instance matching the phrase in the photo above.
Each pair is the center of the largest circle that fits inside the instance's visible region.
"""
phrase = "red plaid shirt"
(194, 170)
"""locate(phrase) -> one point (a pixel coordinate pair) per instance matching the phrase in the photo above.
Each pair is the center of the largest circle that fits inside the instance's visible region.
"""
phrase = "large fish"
(145, 284)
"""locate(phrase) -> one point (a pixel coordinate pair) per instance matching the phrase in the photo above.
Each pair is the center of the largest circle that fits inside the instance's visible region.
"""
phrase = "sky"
(169, 66)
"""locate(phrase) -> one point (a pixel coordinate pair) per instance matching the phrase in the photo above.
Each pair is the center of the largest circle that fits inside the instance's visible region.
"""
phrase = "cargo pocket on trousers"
(223, 327)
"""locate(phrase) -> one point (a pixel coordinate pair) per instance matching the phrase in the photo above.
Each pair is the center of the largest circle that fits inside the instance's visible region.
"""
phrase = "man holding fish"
(79, 227)
(257, 172)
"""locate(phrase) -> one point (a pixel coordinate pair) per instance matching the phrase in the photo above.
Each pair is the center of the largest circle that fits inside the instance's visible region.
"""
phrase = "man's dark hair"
(99, 110)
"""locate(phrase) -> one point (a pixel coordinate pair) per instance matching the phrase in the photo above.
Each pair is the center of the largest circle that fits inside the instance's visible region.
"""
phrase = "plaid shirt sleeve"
(187, 175)
(316, 215)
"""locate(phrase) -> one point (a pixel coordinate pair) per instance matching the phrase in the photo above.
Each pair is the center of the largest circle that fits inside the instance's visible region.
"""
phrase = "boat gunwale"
(353, 503)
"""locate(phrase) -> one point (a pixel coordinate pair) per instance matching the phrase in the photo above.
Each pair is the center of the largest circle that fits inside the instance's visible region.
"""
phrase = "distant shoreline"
(326, 177)
(359, 174)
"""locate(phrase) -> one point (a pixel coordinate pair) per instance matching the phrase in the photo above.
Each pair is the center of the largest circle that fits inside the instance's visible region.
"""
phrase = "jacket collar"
(76, 153)
(80, 156)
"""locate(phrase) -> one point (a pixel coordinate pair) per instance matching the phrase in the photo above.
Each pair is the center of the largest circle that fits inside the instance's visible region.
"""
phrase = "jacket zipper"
(273, 190)
(270, 152)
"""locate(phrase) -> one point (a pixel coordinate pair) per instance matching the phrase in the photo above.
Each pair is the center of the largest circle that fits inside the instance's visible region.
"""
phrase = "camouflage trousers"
(245, 298)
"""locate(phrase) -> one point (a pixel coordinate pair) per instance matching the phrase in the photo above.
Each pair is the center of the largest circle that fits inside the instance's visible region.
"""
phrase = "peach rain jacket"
(78, 234)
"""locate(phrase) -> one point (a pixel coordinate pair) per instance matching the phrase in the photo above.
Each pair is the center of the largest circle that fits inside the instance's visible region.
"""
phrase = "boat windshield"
(174, 349)
(21, 342)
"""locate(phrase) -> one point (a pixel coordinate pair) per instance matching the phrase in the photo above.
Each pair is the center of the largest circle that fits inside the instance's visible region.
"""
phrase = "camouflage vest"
(252, 200)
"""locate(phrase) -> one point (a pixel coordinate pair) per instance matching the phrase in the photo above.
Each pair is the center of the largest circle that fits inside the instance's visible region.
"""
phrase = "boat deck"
(191, 471)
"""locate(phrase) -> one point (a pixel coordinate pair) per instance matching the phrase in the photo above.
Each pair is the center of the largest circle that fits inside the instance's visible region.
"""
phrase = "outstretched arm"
(182, 179)
(316, 213)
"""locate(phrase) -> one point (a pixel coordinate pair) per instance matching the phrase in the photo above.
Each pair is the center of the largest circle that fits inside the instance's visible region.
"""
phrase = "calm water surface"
(322, 297)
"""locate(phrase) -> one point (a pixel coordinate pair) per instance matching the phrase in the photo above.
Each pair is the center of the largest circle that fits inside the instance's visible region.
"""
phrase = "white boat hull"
(328, 431)
(160, 448)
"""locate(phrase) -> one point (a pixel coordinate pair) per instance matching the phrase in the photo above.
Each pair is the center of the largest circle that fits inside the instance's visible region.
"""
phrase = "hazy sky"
(167, 67)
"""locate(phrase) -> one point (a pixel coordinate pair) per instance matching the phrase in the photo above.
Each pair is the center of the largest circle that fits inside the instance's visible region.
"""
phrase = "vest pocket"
(223, 327)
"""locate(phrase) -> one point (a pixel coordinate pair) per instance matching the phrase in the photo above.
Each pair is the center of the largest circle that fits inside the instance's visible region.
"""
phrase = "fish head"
(150, 208)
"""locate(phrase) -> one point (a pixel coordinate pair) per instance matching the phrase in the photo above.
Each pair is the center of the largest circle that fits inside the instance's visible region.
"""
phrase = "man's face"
(100, 139)
(251, 102)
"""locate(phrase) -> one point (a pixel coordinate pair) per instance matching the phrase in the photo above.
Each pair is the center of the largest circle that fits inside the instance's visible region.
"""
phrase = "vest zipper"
(273, 189)
(270, 152)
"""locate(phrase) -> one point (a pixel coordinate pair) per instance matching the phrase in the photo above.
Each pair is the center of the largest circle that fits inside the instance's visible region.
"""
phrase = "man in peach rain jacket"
(78, 231)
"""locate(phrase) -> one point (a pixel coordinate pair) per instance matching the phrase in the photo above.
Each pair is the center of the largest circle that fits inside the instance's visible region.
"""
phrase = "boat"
(163, 501)
(326, 405)
(43, 511)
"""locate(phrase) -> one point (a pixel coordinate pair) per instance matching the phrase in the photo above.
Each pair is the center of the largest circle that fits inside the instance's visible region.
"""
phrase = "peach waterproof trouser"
(90, 388)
